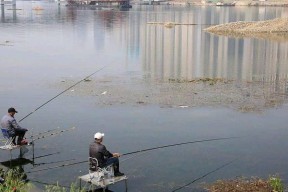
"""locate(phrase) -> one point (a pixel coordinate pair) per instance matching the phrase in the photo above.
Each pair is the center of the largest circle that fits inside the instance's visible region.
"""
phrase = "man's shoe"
(118, 174)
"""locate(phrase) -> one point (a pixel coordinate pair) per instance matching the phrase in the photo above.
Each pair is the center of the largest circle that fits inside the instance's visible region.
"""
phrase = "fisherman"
(103, 156)
(9, 122)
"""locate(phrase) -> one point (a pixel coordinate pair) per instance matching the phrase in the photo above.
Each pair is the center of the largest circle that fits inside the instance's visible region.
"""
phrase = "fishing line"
(205, 175)
(185, 143)
(62, 93)
(58, 166)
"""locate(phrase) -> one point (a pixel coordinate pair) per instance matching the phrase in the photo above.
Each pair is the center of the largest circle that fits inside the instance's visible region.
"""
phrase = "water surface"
(40, 49)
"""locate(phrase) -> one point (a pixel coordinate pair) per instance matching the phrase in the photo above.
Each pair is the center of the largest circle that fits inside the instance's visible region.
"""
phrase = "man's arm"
(15, 124)
(106, 153)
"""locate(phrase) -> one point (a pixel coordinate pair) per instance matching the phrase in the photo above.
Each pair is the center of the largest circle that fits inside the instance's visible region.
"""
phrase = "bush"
(276, 183)
(14, 181)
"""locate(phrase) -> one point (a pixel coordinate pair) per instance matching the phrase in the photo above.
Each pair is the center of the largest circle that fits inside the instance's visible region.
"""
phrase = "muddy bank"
(245, 97)
(240, 184)
(276, 29)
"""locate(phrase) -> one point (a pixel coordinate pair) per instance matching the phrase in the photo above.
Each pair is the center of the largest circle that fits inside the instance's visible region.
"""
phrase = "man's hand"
(116, 155)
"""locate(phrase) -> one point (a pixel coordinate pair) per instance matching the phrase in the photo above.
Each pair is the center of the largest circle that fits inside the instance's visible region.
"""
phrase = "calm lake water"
(40, 48)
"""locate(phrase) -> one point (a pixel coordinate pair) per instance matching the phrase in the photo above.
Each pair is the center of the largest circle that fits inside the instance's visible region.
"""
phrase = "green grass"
(57, 188)
(14, 181)
(276, 183)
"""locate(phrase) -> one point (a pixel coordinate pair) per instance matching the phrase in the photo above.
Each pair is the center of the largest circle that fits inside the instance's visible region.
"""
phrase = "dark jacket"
(99, 151)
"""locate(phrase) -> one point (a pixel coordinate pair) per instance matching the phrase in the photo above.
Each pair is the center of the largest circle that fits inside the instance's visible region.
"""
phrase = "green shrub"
(14, 181)
(276, 183)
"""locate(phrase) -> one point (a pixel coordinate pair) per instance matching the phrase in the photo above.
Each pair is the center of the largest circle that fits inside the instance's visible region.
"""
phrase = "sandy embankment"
(276, 29)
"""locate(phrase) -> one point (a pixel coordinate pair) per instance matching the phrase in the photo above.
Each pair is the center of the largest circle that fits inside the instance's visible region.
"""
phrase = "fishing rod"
(177, 144)
(58, 166)
(46, 155)
(139, 151)
(52, 162)
(61, 93)
(205, 175)
(51, 134)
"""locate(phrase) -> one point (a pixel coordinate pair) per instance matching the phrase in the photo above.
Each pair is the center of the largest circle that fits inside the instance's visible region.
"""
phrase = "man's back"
(99, 151)
(6, 122)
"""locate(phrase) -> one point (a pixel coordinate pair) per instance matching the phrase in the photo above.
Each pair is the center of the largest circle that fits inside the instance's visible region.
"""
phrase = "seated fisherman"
(9, 122)
(103, 156)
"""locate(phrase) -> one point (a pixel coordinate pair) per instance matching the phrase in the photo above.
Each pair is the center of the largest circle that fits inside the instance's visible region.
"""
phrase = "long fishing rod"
(46, 155)
(52, 162)
(185, 143)
(205, 175)
(58, 166)
(61, 93)
(139, 151)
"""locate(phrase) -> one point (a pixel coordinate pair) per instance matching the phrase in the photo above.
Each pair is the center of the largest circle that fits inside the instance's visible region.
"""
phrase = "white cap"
(98, 135)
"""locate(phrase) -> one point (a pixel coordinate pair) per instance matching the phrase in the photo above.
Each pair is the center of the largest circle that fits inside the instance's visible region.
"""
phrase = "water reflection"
(6, 14)
(2, 13)
(17, 165)
(16, 162)
(175, 53)
(75, 42)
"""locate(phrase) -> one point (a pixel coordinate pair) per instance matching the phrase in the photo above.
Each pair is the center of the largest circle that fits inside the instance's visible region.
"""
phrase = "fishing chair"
(98, 173)
(9, 139)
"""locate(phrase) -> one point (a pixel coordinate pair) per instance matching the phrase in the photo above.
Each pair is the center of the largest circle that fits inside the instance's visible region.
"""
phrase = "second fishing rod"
(142, 151)
(62, 93)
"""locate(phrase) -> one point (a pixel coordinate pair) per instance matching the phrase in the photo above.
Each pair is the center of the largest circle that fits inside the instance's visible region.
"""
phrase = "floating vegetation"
(249, 108)
(276, 29)
(211, 81)
(170, 24)
(174, 92)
